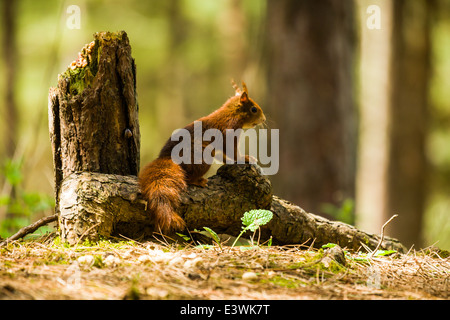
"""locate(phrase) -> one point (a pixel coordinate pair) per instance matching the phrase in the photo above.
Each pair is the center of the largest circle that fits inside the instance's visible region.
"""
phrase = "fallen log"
(94, 205)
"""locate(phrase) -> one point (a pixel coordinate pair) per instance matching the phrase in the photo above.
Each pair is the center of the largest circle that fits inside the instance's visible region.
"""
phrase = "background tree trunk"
(10, 118)
(395, 74)
(374, 100)
(407, 166)
(93, 112)
(310, 99)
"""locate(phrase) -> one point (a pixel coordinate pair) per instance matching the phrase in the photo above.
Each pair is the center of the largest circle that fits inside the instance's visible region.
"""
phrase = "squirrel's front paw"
(199, 182)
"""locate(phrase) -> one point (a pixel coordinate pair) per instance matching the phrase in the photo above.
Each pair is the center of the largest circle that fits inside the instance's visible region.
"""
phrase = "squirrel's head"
(248, 111)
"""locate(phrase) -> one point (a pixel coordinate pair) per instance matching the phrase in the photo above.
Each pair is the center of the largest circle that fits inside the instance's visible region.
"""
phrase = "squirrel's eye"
(254, 110)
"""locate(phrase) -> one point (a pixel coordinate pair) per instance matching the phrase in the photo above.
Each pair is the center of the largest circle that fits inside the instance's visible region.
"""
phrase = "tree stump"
(93, 112)
(94, 130)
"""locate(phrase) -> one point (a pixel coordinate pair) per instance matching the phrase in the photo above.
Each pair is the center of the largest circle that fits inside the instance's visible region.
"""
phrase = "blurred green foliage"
(345, 212)
(20, 205)
(437, 215)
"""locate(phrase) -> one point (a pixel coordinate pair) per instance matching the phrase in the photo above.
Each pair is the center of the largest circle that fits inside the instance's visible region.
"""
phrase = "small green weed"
(252, 220)
(214, 236)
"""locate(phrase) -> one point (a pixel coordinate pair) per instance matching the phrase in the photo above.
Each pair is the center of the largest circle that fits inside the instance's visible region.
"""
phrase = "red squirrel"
(162, 180)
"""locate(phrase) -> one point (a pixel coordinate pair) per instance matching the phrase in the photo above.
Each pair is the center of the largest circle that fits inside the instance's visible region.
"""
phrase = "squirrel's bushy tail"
(161, 183)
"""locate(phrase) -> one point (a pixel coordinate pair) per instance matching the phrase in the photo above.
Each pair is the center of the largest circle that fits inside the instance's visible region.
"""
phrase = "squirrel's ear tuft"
(244, 87)
(239, 92)
(244, 97)
(236, 88)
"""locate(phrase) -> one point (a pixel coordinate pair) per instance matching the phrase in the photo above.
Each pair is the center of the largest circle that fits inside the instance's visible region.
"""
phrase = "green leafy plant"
(252, 220)
(329, 245)
(183, 236)
(366, 257)
(214, 235)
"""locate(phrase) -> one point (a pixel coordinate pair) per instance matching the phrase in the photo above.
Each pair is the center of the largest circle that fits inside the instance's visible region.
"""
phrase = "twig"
(29, 229)
(382, 235)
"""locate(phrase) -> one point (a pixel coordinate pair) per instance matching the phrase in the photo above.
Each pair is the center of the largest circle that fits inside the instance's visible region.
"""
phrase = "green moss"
(107, 244)
(98, 261)
(80, 78)
(8, 264)
(307, 261)
(57, 258)
(366, 240)
(314, 262)
(332, 267)
(280, 281)
(58, 243)
(433, 251)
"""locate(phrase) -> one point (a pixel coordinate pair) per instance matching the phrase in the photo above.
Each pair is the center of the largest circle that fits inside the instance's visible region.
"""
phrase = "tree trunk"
(407, 166)
(395, 74)
(11, 117)
(10, 64)
(310, 99)
(375, 90)
(93, 112)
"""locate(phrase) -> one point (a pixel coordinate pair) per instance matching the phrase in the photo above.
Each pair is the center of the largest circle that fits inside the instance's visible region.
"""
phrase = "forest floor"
(46, 269)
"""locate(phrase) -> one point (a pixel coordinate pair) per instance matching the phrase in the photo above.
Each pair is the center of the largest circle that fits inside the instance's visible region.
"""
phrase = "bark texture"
(93, 112)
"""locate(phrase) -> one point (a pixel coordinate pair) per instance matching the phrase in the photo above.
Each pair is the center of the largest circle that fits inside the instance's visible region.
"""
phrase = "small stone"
(127, 254)
(86, 260)
(157, 293)
(249, 276)
(111, 261)
(175, 261)
(193, 255)
(192, 263)
(335, 253)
